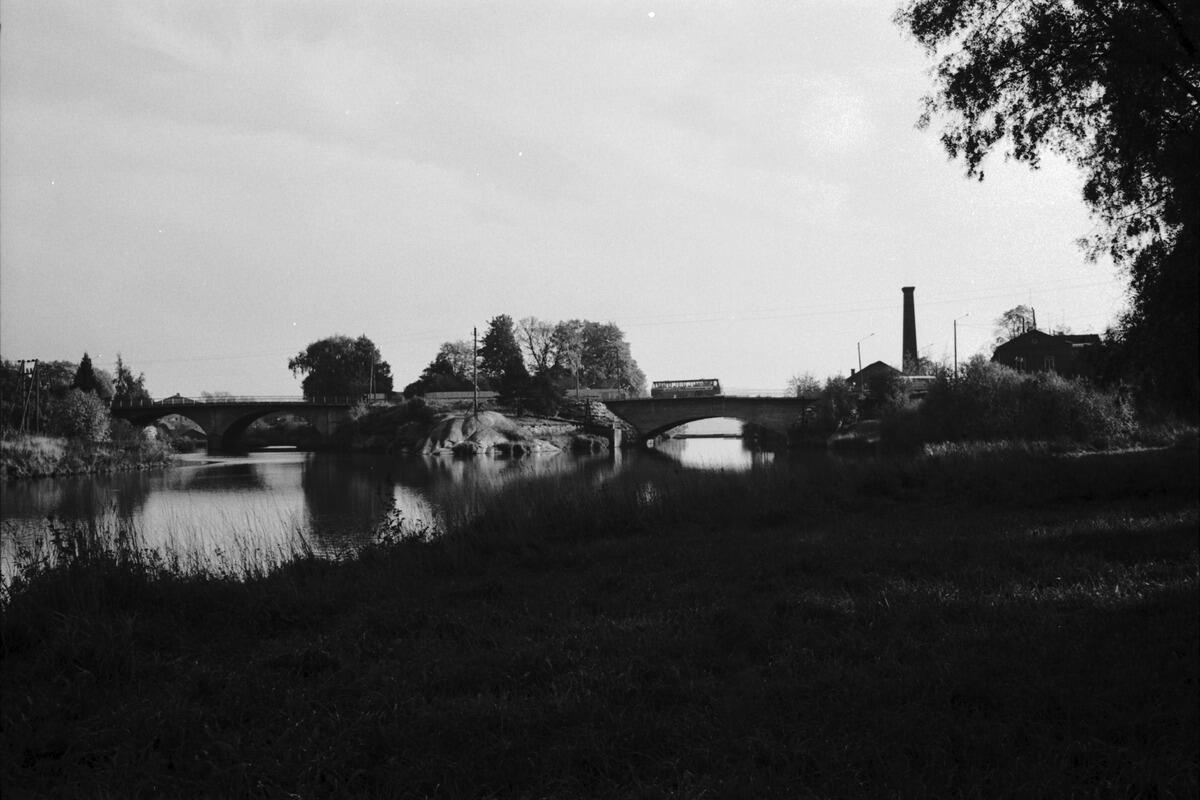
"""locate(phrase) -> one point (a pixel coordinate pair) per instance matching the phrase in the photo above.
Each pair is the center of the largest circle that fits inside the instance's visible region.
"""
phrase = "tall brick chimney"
(910, 332)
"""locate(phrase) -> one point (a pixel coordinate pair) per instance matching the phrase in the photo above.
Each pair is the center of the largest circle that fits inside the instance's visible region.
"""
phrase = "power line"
(700, 317)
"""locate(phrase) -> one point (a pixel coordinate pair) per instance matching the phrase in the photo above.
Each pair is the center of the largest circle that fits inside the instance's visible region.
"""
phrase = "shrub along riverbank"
(966, 624)
(32, 456)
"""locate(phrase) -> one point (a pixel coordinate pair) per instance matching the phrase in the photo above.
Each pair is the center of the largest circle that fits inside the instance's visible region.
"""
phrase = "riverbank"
(33, 456)
(948, 626)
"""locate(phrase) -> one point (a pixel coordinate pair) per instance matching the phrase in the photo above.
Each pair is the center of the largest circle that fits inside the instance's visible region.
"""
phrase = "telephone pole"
(29, 373)
(964, 316)
(475, 371)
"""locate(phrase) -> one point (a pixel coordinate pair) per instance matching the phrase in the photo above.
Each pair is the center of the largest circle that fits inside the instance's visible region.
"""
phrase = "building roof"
(1036, 338)
(875, 368)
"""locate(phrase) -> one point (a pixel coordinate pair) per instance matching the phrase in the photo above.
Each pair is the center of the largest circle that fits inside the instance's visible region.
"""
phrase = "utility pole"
(37, 398)
(29, 373)
(956, 319)
(475, 371)
(24, 396)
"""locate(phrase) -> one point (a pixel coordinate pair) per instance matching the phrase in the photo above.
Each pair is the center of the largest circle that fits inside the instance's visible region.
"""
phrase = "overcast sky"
(208, 187)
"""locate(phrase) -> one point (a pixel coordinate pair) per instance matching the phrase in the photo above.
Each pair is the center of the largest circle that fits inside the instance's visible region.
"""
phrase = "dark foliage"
(340, 366)
(1115, 87)
(607, 361)
(992, 402)
(126, 387)
(86, 380)
(26, 396)
(452, 370)
(500, 358)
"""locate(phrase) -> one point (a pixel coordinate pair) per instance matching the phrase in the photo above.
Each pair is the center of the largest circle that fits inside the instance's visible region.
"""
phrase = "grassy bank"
(970, 625)
(33, 456)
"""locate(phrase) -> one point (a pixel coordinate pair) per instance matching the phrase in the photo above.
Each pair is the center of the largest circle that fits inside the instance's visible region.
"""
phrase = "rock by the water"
(487, 432)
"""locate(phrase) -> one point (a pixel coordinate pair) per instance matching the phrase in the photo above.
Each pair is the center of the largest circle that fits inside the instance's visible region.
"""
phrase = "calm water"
(261, 502)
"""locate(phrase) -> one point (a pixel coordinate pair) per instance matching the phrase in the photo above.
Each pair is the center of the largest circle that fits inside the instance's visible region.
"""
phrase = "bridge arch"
(225, 422)
(654, 416)
(671, 426)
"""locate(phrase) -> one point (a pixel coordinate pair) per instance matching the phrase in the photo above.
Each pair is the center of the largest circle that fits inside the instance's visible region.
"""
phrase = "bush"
(81, 415)
(837, 406)
(992, 402)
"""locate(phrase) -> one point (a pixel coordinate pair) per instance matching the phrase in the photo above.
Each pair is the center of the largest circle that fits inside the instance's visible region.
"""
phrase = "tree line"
(65, 398)
(531, 358)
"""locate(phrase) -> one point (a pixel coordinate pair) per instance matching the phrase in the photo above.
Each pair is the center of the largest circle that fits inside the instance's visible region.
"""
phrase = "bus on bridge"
(695, 387)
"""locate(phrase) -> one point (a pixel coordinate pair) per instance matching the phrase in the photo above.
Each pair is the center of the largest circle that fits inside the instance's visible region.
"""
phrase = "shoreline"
(35, 456)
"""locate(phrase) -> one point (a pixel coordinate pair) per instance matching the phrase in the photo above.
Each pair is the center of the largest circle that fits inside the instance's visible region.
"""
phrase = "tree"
(803, 385)
(21, 399)
(450, 371)
(339, 366)
(127, 388)
(837, 406)
(1013, 323)
(608, 361)
(81, 415)
(87, 380)
(1114, 87)
(458, 359)
(500, 358)
(537, 340)
(568, 348)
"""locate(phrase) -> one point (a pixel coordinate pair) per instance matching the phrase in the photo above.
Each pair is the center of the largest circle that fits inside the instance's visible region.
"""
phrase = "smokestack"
(910, 332)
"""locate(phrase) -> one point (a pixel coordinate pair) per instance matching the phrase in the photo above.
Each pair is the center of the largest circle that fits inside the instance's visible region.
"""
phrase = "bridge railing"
(177, 400)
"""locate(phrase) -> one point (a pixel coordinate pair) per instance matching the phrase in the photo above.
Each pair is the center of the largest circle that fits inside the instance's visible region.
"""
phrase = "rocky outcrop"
(487, 432)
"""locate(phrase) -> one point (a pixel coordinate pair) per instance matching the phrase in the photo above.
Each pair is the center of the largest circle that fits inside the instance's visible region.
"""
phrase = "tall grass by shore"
(962, 624)
(36, 456)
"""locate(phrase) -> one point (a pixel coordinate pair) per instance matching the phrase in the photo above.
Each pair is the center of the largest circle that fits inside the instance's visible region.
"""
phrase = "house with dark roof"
(872, 375)
(1038, 351)
(873, 383)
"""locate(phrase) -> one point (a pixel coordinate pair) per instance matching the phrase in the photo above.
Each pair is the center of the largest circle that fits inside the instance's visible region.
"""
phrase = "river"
(261, 505)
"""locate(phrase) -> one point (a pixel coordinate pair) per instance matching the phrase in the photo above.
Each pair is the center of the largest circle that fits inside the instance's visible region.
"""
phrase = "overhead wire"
(698, 317)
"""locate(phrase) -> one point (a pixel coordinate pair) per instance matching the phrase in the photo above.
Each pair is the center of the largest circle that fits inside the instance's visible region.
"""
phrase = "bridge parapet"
(233, 400)
(653, 416)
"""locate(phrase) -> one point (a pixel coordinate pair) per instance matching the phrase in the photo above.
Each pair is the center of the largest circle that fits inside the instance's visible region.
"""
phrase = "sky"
(207, 187)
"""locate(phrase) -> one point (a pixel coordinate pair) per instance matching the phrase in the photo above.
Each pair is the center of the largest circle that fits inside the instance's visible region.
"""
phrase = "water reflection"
(727, 454)
(268, 502)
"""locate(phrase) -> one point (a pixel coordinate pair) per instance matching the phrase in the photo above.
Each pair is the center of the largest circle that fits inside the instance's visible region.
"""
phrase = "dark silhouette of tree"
(500, 358)
(340, 366)
(450, 371)
(1115, 87)
(127, 388)
(86, 380)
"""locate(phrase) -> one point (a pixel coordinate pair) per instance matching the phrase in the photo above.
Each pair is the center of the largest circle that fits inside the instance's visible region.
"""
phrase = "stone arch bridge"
(225, 419)
(651, 417)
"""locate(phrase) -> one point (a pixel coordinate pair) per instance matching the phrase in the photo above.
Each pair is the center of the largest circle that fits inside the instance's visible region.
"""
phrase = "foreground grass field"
(951, 627)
